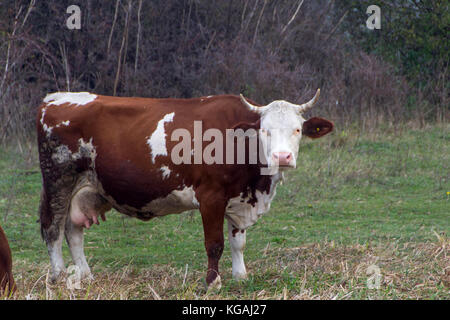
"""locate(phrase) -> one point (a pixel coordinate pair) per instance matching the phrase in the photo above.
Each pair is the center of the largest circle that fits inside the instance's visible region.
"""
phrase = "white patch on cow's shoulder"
(243, 214)
(77, 98)
(157, 141)
(165, 172)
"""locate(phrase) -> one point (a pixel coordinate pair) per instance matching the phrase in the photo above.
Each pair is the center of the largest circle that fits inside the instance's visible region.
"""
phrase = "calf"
(152, 157)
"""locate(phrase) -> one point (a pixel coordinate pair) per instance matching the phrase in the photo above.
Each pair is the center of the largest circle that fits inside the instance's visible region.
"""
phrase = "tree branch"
(293, 17)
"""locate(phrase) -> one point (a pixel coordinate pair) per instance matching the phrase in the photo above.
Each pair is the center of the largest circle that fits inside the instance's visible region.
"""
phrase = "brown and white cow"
(6, 278)
(100, 152)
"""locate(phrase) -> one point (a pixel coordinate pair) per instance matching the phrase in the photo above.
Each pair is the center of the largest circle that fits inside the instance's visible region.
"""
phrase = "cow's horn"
(250, 106)
(306, 106)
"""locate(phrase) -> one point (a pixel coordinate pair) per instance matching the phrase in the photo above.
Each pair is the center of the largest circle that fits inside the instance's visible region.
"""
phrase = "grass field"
(357, 199)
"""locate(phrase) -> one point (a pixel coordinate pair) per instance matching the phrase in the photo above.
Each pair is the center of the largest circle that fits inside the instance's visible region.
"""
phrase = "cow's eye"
(297, 131)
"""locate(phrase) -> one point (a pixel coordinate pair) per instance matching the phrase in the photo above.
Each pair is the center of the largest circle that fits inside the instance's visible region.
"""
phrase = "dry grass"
(361, 198)
(313, 271)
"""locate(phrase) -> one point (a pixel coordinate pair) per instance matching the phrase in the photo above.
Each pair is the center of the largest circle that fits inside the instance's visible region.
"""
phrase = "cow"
(100, 152)
(7, 284)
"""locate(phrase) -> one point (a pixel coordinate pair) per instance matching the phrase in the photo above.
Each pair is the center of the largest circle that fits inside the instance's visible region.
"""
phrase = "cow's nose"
(282, 158)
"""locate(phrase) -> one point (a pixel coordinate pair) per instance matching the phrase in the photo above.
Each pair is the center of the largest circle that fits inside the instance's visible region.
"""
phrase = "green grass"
(355, 200)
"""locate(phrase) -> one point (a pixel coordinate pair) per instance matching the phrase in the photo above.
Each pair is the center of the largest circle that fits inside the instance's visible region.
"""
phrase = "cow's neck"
(244, 210)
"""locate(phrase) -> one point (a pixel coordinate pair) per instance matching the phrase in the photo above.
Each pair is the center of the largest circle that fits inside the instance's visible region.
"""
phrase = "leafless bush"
(273, 49)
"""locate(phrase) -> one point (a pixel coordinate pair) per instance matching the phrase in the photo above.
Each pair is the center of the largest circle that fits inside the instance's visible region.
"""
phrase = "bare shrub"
(265, 49)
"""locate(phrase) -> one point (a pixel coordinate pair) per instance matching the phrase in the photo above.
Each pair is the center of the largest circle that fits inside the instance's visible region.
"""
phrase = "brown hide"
(6, 277)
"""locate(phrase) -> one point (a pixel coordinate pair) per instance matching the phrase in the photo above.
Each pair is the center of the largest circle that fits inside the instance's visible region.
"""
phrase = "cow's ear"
(317, 127)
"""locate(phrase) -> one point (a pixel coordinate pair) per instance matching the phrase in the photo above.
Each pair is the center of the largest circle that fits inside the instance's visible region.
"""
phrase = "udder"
(87, 206)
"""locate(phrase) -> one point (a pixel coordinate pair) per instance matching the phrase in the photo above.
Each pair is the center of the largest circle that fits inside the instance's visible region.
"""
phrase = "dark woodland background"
(265, 49)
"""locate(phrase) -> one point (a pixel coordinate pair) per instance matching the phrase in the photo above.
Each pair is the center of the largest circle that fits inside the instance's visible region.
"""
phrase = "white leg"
(237, 239)
(55, 253)
(75, 240)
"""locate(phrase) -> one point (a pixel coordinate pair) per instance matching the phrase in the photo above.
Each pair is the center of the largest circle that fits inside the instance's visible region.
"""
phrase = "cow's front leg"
(213, 217)
(237, 240)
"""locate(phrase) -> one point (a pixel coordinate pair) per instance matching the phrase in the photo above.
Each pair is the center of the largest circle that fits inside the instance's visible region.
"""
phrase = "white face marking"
(165, 172)
(157, 141)
(281, 127)
(77, 98)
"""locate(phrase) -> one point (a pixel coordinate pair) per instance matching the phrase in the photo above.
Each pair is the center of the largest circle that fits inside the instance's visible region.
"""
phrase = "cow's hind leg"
(58, 180)
(52, 229)
(85, 208)
(75, 240)
(237, 239)
(54, 247)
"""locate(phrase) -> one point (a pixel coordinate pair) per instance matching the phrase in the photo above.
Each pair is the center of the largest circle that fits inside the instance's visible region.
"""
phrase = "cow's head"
(281, 128)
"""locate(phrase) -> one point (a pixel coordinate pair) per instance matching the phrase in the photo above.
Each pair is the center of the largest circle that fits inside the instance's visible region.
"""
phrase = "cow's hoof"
(85, 274)
(216, 284)
(80, 272)
(87, 277)
(56, 276)
(240, 276)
